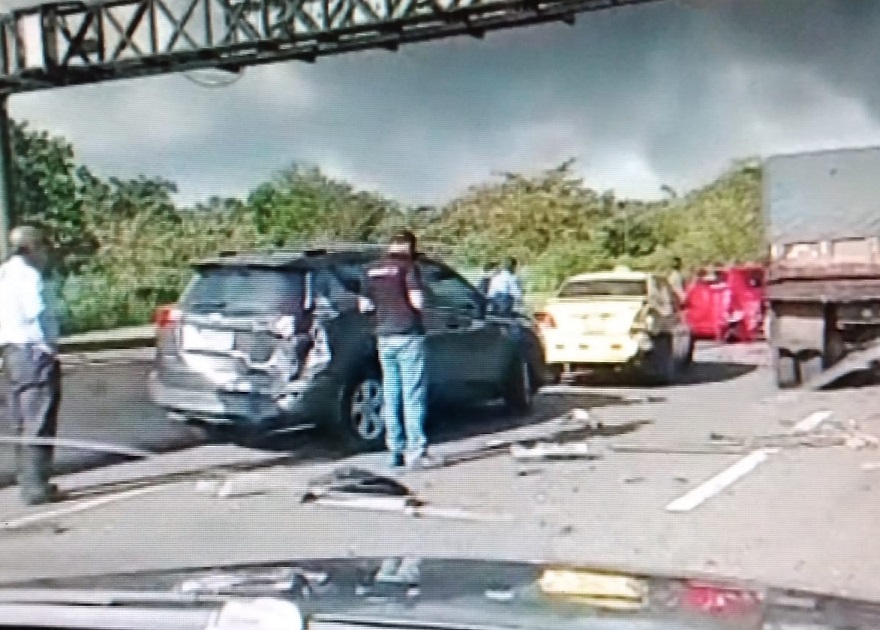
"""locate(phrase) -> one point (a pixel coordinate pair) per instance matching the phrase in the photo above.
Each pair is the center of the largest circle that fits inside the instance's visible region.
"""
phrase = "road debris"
(832, 434)
(550, 450)
(636, 479)
(355, 488)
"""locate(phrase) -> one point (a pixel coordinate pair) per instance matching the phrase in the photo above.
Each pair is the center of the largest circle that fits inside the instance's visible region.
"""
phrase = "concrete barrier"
(118, 339)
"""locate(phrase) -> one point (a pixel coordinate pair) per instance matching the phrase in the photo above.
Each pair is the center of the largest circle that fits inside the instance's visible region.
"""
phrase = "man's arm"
(366, 300)
(33, 304)
(415, 288)
(516, 289)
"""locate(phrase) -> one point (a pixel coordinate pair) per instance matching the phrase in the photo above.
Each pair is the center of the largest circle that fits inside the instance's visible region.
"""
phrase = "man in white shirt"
(29, 338)
(505, 291)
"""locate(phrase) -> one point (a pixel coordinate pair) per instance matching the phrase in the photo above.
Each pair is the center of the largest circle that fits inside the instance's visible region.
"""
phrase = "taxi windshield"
(604, 288)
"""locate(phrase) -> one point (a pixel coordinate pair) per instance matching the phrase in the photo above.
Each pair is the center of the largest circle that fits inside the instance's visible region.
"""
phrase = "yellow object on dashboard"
(600, 589)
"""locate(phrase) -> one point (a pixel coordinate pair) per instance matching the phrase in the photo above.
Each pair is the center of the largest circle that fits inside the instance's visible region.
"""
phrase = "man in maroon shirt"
(395, 292)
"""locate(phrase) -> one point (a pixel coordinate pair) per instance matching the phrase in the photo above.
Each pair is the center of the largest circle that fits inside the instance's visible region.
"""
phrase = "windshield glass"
(496, 261)
(604, 288)
(244, 290)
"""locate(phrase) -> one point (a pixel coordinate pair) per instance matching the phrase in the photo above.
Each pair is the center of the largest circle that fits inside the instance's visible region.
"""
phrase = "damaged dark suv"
(269, 341)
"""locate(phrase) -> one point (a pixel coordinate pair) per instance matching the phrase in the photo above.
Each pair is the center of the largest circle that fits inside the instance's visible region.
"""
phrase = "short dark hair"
(404, 236)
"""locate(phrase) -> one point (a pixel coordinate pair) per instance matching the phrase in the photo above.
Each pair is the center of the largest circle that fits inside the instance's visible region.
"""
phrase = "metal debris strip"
(58, 44)
(551, 450)
(80, 445)
(832, 434)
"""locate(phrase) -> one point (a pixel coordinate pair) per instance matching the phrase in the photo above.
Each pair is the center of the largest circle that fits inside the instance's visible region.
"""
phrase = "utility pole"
(7, 200)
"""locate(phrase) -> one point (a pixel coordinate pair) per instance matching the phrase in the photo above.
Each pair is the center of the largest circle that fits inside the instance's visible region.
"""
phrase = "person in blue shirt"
(505, 292)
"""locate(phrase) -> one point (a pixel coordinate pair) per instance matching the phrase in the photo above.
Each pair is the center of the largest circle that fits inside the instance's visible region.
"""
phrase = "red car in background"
(727, 304)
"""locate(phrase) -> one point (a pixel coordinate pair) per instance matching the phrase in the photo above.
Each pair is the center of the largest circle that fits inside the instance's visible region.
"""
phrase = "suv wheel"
(361, 413)
(519, 390)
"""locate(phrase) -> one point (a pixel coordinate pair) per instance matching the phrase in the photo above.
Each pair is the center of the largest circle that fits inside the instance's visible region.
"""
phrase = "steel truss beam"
(89, 41)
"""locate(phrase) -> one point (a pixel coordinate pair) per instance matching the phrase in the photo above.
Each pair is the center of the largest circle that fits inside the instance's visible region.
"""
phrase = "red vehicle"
(727, 305)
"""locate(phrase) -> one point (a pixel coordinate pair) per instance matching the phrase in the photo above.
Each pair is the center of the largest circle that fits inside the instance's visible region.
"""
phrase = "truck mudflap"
(864, 359)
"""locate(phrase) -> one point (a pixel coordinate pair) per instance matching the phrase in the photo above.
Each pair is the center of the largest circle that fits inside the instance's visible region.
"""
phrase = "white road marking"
(812, 422)
(76, 507)
(740, 469)
(720, 481)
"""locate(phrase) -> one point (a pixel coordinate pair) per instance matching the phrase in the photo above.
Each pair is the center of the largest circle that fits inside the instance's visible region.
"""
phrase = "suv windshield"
(603, 288)
(244, 290)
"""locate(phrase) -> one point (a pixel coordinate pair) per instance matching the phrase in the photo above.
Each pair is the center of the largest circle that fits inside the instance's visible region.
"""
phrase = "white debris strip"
(77, 507)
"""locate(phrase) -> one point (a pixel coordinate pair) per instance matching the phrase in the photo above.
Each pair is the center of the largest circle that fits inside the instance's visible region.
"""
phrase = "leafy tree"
(48, 187)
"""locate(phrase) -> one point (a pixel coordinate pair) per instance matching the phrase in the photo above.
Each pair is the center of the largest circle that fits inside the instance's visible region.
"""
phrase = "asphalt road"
(801, 517)
(103, 402)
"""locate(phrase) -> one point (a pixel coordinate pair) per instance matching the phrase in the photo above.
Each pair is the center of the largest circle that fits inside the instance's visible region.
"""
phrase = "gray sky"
(667, 93)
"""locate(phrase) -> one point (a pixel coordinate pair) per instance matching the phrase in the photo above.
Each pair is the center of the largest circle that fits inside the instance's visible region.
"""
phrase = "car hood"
(440, 593)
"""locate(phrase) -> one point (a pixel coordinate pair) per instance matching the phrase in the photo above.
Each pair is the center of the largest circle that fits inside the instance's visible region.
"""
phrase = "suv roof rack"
(315, 248)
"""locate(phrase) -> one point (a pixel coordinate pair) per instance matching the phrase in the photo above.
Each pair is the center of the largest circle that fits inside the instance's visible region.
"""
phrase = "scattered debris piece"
(545, 450)
(684, 449)
(357, 481)
(636, 479)
(354, 488)
(832, 434)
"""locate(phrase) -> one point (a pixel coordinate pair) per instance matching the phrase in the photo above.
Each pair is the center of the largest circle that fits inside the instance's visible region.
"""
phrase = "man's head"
(489, 267)
(510, 264)
(676, 263)
(403, 243)
(31, 243)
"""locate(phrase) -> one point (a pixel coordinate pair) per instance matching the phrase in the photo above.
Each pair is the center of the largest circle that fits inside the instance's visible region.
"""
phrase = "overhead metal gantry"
(83, 42)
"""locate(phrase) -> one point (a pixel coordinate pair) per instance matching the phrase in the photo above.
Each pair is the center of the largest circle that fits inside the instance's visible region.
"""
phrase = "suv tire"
(519, 387)
(360, 414)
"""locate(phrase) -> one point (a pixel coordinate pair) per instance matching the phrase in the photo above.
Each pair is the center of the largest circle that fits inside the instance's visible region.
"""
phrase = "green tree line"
(125, 245)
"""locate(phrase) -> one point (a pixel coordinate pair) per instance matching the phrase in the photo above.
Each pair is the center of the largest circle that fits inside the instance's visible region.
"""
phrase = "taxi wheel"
(689, 356)
(662, 365)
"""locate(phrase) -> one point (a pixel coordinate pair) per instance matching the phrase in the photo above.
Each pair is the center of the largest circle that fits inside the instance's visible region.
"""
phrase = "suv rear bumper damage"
(299, 402)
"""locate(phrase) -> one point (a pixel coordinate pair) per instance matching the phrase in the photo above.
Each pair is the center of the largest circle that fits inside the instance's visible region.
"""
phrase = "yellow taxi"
(618, 318)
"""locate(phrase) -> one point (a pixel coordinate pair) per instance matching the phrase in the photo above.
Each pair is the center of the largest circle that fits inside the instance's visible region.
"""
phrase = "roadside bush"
(126, 246)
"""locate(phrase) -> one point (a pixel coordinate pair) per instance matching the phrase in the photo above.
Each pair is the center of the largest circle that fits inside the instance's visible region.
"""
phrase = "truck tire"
(809, 368)
(786, 368)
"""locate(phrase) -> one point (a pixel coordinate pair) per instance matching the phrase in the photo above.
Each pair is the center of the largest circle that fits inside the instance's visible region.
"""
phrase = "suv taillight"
(166, 316)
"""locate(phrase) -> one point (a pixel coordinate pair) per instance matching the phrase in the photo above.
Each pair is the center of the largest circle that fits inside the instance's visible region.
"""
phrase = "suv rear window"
(244, 290)
(604, 288)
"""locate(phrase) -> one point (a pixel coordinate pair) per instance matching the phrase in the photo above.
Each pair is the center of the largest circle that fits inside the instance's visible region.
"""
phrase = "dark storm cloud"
(661, 93)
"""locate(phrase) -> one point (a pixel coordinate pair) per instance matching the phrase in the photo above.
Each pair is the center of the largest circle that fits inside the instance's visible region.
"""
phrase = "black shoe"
(396, 460)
